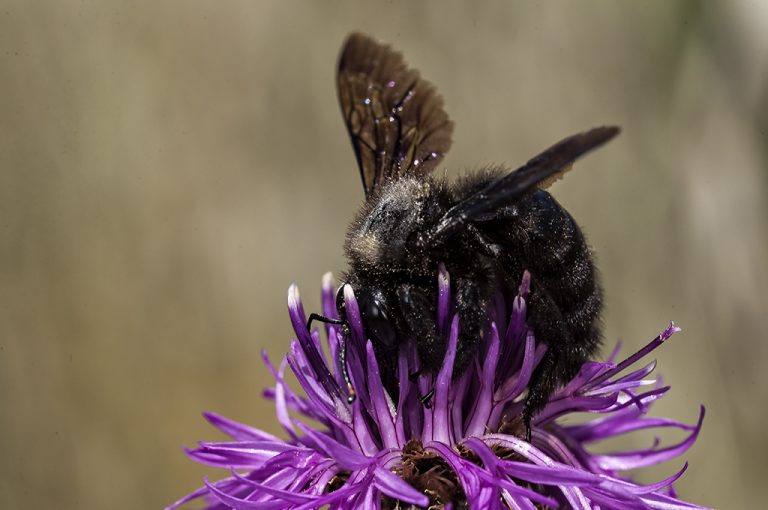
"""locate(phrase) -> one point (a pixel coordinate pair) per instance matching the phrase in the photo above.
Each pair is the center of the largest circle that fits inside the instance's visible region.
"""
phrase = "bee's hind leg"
(472, 295)
(549, 326)
(417, 308)
(418, 311)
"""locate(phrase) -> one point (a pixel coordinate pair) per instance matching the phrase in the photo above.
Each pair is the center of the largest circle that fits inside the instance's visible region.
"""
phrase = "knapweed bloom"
(466, 450)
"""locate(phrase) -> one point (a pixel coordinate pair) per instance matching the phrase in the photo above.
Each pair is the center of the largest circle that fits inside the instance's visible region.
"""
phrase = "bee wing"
(395, 119)
(539, 172)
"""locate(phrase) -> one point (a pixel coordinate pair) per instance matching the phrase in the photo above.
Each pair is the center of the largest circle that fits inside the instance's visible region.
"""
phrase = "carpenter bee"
(487, 228)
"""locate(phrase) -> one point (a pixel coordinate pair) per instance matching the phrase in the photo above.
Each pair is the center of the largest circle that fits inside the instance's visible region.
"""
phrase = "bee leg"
(418, 311)
(509, 212)
(549, 326)
(426, 400)
(472, 296)
(482, 241)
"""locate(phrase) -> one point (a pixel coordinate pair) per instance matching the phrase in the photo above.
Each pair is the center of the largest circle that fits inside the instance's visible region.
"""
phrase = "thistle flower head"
(464, 451)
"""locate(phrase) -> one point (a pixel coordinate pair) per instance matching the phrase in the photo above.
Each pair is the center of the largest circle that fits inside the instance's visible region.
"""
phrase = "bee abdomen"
(582, 315)
(561, 261)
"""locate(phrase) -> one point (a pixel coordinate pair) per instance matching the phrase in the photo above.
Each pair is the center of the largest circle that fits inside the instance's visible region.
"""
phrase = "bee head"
(383, 232)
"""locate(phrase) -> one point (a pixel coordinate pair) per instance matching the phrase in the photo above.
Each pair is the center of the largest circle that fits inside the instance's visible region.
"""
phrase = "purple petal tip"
(327, 281)
(669, 331)
(294, 298)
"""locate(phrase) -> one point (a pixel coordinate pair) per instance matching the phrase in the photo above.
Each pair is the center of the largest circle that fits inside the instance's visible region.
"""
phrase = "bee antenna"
(343, 358)
(342, 352)
(322, 318)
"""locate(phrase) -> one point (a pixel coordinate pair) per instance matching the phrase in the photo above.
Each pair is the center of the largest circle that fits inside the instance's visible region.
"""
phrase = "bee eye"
(376, 318)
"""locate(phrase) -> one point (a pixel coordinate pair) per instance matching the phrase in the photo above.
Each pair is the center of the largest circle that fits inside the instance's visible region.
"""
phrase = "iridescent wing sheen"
(395, 119)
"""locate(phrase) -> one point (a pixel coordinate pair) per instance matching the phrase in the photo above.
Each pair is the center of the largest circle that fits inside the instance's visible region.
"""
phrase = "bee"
(487, 228)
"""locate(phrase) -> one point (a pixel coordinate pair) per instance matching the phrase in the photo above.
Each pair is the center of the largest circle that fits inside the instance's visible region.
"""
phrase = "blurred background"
(167, 169)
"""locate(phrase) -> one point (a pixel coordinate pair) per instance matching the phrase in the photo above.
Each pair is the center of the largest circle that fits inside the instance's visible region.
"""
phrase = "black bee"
(487, 228)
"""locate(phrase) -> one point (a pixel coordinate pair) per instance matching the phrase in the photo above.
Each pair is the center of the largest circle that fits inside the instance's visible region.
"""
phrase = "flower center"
(430, 474)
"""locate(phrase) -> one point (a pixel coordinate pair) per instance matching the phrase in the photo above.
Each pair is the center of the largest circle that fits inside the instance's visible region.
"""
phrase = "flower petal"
(441, 418)
(345, 456)
(483, 400)
(643, 458)
(315, 358)
(382, 404)
(392, 486)
(236, 430)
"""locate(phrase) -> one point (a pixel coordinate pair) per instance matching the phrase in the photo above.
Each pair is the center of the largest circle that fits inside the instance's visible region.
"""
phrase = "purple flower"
(466, 451)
